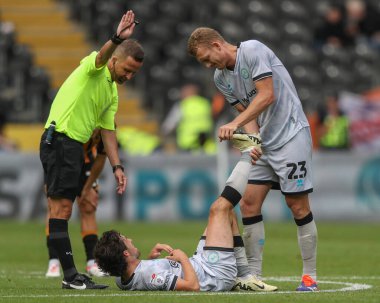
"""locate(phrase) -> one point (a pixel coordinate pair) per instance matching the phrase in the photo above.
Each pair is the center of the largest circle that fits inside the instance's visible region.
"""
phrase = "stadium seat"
(296, 31)
(262, 9)
(338, 76)
(232, 32)
(364, 51)
(230, 10)
(339, 55)
(264, 32)
(293, 9)
(298, 53)
(286, 26)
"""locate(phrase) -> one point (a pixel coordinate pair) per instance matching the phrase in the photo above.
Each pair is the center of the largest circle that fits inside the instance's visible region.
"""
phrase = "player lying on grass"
(219, 263)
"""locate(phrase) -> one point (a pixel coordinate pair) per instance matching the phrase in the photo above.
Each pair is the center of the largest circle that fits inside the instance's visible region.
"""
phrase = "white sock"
(54, 262)
(307, 241)
(239, 175)
(241, 261)
(90, 262)
(254, 239)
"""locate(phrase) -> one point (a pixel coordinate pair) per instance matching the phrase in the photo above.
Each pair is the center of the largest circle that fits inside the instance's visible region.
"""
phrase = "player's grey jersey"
(158, 274)
(161, 274)
(285, 117)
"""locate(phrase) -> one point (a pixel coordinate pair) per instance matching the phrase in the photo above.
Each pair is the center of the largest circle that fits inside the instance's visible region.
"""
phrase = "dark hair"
(109, 253)
(130, 47)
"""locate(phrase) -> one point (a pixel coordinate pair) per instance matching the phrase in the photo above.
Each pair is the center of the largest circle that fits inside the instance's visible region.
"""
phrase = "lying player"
(219, 257)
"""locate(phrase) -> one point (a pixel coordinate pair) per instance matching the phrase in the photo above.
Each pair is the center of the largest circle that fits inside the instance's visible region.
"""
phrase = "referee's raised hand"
(126, 25)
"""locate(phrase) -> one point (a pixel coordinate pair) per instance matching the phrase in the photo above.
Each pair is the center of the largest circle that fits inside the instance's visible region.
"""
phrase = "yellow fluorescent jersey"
(86, 100)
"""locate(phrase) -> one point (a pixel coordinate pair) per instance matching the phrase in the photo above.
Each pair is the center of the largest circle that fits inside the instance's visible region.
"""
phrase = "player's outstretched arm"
(110, 145)
(124, 31)
(190, 280)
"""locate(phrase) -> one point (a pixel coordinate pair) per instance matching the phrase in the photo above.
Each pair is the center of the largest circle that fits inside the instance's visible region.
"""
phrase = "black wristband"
(116, 39)
(117, 166)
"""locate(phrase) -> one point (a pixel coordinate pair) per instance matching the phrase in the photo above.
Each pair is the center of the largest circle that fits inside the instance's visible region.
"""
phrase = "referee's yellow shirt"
(86, 100)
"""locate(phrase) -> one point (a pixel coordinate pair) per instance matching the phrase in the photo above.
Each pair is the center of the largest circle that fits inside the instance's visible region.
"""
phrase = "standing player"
(87, 99)
(256, 83)
(216, 262)
(94, 160)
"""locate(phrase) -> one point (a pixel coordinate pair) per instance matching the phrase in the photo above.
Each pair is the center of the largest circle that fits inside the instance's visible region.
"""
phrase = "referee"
(86, 100)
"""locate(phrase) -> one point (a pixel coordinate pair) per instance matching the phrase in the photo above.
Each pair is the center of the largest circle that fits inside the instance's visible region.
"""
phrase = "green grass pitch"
(348, 262)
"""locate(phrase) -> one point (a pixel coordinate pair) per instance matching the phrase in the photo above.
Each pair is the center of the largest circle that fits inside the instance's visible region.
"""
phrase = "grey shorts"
(215, 267)
(288, 168)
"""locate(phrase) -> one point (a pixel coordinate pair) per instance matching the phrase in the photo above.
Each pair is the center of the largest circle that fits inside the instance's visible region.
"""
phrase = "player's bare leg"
(307, 239)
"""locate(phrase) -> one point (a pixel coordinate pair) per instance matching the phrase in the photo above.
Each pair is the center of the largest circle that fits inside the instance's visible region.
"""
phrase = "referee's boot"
(82, 282)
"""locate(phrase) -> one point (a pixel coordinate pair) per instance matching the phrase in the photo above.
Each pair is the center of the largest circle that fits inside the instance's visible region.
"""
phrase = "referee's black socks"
(60, 241)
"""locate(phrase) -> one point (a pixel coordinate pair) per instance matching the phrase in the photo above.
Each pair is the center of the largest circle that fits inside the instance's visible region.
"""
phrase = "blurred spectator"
(136, 142)
(332, 30)
(221, 110)
(192, 119)
(333, 130)
(362, 22)
(5, 143)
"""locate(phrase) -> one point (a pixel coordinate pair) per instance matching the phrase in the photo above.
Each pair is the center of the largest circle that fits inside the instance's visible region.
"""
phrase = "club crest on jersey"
(244, 73)
(213, 257)
(173, 264)
(229, 88)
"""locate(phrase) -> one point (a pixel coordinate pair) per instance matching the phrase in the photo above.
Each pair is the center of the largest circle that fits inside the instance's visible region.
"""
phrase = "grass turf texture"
(348, 253)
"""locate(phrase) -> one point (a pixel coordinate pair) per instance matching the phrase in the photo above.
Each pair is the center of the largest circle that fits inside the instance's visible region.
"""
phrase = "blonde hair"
(202, 36)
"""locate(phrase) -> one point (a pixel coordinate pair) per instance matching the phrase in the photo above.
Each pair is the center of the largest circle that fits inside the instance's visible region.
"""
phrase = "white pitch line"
(296, 278)
(348, 287)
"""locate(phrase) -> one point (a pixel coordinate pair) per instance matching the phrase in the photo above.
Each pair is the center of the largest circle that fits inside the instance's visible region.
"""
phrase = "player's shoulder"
(218, 74)
(250, 45)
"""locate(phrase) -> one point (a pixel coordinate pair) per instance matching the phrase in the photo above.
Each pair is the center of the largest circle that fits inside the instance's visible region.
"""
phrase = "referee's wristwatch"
(117, 166)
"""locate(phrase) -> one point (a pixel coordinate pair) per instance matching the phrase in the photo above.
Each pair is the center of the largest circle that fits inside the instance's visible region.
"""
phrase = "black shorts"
(63, 163)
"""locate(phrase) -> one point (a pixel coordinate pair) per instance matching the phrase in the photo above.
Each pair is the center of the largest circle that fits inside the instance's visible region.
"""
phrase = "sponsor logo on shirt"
(245, 101)
(157, 280)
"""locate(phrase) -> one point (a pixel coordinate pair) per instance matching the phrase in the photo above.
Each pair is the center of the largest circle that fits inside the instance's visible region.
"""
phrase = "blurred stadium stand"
(287, 26)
